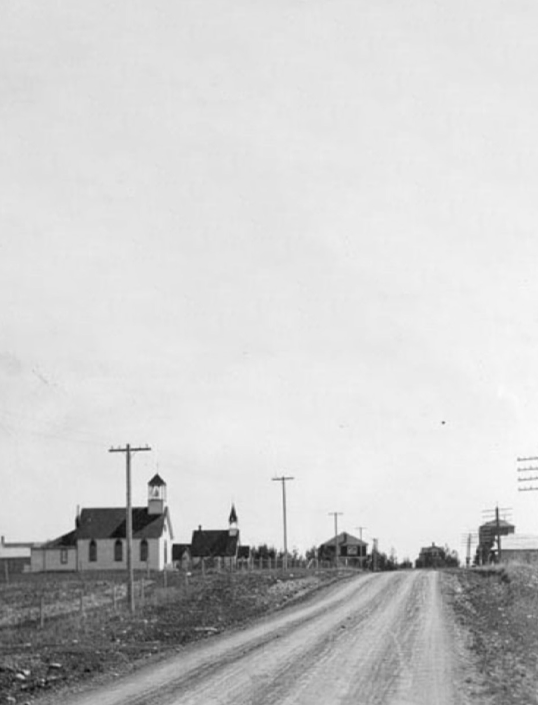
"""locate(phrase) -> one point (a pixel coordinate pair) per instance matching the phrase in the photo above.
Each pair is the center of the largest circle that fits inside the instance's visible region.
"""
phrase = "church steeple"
(232, 521)
(156, 495)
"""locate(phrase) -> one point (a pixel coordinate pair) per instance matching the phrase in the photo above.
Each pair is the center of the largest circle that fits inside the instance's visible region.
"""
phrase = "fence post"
(42, 611)
(114, 598)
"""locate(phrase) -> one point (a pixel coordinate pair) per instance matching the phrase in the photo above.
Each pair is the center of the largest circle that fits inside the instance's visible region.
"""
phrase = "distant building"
(431, 557)
(488, 534)
(220, 545)
(99, 540)
(519, 548)
(350, 548)
(14, 557)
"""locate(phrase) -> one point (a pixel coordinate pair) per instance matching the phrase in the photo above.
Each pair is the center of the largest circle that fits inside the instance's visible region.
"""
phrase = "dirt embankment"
(46, 644)
(499, 609)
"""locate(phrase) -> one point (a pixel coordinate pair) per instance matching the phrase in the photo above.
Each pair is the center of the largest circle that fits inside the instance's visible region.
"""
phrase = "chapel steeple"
(156, 495)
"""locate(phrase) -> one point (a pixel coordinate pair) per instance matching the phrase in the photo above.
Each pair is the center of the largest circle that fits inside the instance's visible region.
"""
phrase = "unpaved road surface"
(379, 639)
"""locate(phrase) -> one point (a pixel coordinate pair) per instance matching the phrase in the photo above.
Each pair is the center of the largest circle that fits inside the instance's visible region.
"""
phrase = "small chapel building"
(99, 540)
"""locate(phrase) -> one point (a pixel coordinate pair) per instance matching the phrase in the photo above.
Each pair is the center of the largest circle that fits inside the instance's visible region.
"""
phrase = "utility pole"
(498, 527)
(361, 529)
(128, 450)
(283, 480)
(498, 530)
(335, 515)
(362, 553)
(468, 538)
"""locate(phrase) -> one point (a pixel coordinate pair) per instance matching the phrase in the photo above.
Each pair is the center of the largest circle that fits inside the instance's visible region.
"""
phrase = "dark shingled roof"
(68, 540)
(345, 539)
(213, 544)
(109, 523)
(157, 481)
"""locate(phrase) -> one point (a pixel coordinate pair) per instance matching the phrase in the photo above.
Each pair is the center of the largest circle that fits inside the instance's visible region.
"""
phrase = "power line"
(528, 478)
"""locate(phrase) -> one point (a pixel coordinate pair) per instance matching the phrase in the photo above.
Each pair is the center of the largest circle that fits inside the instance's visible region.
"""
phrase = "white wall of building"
(105, 555)
(53, 559)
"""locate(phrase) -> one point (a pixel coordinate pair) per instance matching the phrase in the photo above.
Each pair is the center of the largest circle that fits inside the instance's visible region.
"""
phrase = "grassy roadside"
(71, 646)
(498, 607)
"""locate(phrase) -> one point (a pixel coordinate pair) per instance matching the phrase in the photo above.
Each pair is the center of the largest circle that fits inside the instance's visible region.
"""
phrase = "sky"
(270, 238)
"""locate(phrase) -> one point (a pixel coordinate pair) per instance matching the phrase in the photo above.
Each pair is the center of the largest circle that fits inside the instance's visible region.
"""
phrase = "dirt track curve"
(375, 640)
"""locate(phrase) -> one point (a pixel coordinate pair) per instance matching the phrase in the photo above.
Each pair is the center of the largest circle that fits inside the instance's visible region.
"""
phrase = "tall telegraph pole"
(283, 480)
(335, 515)
(129, 520)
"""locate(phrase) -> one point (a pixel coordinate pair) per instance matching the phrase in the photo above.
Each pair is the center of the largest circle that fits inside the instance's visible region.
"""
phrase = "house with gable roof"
(99, 540)
(352, 549)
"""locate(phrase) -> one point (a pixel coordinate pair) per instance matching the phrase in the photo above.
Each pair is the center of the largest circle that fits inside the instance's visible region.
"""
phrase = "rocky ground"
(498, 607)
(60, 633)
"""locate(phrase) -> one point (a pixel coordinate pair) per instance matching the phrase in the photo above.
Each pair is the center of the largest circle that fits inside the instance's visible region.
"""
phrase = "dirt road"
(376, 640)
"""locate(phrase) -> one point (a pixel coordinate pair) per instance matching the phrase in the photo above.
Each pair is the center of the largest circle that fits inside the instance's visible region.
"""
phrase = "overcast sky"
(269, 237)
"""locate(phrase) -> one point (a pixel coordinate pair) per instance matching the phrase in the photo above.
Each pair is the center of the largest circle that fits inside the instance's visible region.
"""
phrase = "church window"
(118, 551)
(144, 552)
(92, 551)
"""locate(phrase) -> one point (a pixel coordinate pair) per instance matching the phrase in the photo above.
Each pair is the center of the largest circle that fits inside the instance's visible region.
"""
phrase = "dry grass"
(82, 634)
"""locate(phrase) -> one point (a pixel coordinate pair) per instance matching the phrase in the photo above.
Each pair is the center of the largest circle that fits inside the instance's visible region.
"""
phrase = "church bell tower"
(156, 495)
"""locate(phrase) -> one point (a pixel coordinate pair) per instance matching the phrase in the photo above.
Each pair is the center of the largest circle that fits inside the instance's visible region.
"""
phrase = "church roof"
(110, 523)
(214, 544)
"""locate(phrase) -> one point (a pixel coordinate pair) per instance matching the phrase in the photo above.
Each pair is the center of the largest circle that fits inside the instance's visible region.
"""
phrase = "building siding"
(50, 559)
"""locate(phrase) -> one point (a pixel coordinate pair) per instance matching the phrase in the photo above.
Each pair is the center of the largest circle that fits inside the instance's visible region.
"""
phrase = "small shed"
(181, 555)
(15, 557)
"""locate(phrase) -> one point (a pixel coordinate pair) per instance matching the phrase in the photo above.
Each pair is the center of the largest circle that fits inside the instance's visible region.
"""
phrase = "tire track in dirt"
(376, 640)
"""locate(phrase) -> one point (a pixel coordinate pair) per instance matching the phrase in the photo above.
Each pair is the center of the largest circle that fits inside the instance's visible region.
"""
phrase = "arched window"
(144, 551)
(118, 551)
(92, 551)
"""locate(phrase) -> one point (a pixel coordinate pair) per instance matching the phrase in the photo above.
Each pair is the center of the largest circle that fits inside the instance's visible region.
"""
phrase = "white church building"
(99, 540)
